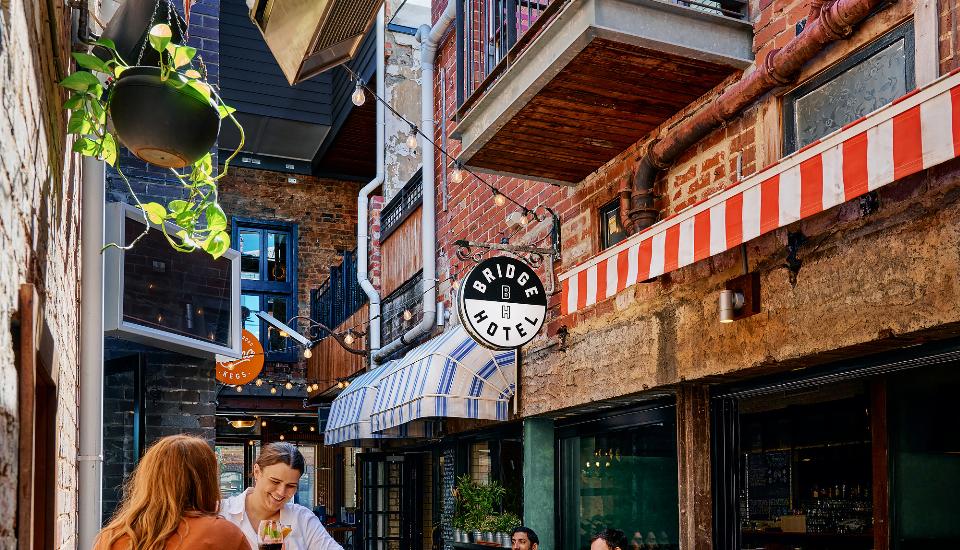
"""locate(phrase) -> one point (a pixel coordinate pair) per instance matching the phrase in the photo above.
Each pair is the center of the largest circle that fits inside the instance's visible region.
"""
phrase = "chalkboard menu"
(768, 484)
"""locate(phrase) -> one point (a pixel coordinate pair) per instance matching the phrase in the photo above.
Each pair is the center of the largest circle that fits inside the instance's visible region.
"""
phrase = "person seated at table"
(524, 538)
(171, 502)
(276, 477)
(609, 539)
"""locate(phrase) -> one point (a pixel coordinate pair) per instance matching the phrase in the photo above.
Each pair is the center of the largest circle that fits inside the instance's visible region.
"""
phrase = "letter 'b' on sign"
(503, 303)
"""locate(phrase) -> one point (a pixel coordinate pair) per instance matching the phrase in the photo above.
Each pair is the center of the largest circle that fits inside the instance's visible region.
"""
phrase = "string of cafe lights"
(287, 426)
(459, 170)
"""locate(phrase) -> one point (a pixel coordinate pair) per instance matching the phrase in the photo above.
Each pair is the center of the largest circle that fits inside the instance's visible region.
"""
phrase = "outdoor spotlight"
(731, 302)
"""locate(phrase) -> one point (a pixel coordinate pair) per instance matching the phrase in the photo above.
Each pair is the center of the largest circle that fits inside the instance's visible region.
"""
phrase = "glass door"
(390, 501)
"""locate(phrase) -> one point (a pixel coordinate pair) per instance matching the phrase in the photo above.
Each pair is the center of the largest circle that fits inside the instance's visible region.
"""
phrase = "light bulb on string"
(307, 354)
(313, 428)
(251, 442)
(498, 198)
(288, 385)
(259, 382)
(273, 389)
(358, 97)
(348, 339)
(407, 315)
(456, 176)
(263, 424)
(412, 140)
(239, 389)
(281, 437)
(294, 428)
(525, 218)
(341, 385)
(283, 334)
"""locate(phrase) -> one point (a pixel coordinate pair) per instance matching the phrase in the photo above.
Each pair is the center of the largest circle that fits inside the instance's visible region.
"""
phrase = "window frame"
(903, 32)
(604, 211)
(267, 289)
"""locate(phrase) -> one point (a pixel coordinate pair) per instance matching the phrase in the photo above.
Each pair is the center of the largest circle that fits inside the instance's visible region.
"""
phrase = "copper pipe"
(779, 68)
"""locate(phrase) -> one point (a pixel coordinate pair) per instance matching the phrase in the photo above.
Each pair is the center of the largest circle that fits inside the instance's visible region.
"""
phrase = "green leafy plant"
(476, 503)
(201, 219)
(508, 521)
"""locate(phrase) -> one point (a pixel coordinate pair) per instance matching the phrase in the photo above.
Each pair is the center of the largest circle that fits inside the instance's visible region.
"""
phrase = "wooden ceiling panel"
(605, 100)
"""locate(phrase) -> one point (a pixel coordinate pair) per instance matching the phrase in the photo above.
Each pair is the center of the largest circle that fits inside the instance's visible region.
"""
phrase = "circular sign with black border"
(502, 303)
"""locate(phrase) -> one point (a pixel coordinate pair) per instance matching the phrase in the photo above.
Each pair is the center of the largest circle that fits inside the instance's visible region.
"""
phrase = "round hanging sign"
(502, 303)
(238, 372)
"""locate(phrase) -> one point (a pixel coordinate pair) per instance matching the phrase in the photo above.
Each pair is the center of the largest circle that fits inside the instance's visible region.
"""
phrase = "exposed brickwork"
(39, 232)
(324, 210)
(949, 41)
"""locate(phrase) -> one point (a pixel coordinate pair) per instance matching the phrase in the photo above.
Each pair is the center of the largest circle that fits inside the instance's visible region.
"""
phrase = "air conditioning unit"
(308, 37)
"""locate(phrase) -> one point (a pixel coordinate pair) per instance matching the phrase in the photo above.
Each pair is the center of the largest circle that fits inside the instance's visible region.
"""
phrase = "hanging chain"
(143, 45)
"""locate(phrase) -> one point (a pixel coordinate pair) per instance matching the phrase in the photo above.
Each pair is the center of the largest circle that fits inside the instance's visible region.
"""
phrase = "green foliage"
(476, 505)
(201, 219)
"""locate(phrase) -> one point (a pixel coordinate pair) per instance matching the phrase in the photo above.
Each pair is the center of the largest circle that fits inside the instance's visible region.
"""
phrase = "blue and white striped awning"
(349, 420)
(450, 376)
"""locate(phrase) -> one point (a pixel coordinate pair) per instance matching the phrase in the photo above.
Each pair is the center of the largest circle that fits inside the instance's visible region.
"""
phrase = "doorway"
(390, 501)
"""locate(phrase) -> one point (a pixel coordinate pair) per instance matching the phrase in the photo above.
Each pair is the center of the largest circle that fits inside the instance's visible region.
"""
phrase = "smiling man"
(524, 538)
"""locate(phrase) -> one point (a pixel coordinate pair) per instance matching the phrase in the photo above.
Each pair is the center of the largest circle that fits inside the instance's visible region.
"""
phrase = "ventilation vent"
(308, 37)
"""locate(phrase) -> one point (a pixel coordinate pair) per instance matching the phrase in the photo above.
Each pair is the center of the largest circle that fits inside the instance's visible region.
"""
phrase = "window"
(864, 82)
(621, 472)
(268, 280)
(611, 229)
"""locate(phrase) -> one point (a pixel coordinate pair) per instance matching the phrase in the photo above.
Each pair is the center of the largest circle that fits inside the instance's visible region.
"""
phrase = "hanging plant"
(167, 115)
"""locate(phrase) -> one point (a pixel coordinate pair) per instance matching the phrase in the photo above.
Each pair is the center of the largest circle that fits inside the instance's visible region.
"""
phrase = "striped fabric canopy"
(915, 132)
(449, 376)
(349, 420)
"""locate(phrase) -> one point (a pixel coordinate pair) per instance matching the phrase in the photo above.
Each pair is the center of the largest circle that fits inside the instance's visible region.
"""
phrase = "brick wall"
(949, 40)
(39, 232)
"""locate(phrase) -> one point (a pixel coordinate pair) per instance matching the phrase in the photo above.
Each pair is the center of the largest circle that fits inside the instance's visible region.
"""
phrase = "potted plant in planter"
(166, 115)
(507, 522)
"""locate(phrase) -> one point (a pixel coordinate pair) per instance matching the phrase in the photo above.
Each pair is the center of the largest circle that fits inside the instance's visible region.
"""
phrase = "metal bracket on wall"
(532, 255)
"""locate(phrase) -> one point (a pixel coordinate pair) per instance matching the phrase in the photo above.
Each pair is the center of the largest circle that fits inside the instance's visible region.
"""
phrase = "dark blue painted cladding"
(152, 183)
(251, 80)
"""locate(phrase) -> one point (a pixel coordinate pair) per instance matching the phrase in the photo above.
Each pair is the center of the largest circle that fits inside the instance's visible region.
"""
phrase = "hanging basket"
(130, 26)
(159, 123)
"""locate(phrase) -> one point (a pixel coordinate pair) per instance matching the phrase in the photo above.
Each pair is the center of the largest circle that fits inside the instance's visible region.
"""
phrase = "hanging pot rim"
(149, 70)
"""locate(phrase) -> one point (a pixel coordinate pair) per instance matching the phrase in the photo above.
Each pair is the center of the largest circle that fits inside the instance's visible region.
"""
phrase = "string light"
(239, 389)
(289, 386)
(412, 140)
(283, 334)
(456, 176)
(407, 315)
(251, 443)
(348, 339)
(341, 385)
(263, 424)
(307, 354)
(498, 198)
(313, 428)
(259, 382)
(294, 428)
(273, 389)
(358, 96)
(524, 218)
(281, 437)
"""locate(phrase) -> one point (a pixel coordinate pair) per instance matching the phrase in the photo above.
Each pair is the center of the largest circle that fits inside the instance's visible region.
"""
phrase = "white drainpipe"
(363, 201)
(429, 38)
(90, 456)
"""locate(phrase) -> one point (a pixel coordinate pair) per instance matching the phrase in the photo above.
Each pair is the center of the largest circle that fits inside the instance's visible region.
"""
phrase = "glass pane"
(926, 458)
(307, 491)
(277, 256)
(230, 460)
(249, 306)
(871, 84)
(277, 307)
(613, 231)
(480, 462)
(624, 480)
(250, 255)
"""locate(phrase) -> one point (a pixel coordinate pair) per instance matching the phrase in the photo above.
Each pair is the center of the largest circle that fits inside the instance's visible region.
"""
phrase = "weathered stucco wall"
(402, 93)
(39, 241)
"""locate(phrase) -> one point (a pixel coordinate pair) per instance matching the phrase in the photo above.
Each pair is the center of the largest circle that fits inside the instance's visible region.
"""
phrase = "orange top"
(198, 533)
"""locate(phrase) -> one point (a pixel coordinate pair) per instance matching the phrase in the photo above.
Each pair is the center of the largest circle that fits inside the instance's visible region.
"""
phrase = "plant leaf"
(75, 102)
(178, 206)
(217, 244)
(79, 123)
(106, 43)
(155, 212)
(86, 147)
(204, 164)
(201, 87)
(91, 62)
(225, 110)
(98, 111)
(193, 73)
(182, 55)
(109, 151)
(80, 81)
(160, 35)
(118, 70)
(216, 219)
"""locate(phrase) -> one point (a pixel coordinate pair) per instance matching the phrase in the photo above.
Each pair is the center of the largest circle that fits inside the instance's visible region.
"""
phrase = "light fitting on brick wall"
(731, 302)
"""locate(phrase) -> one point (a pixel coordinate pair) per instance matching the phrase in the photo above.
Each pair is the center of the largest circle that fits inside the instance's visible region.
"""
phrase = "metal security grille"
(340, 296)
(400, 206)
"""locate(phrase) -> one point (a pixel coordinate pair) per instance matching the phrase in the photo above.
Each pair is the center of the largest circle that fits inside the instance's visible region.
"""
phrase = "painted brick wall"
(39, 241)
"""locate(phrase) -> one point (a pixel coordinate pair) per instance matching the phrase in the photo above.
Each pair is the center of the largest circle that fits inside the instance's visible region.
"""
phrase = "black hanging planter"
(130, 27)
(159, 123)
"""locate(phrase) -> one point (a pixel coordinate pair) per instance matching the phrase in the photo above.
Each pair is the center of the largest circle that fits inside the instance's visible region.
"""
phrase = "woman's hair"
(614, 538)
(177, 477)
(281, 453)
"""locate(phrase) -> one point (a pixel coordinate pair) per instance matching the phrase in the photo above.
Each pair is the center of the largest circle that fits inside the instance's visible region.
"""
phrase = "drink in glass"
(270, 535)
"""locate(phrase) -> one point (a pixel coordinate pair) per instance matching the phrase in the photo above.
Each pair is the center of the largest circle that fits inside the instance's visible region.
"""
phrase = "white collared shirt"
(308, 533)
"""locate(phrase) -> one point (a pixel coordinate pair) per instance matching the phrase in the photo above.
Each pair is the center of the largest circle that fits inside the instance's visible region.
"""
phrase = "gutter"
(363, 200)
(429, 38)
(826, 25)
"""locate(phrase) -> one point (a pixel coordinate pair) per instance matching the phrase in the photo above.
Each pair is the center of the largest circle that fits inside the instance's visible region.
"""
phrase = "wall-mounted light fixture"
(740, 298)
(731, 302)
(242, 424)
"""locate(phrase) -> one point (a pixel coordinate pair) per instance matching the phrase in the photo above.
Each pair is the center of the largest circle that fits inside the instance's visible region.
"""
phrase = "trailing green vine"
(199, 216)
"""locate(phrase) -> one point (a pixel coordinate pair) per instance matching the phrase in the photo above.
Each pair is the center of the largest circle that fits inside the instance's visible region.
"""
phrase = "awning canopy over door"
(450, 376)
(913, 133)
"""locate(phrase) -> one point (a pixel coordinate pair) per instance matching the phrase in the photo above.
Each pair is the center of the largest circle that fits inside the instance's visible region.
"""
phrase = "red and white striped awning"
(915, 132)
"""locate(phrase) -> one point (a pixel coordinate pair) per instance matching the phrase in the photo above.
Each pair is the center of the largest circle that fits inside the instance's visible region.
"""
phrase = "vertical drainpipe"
(90, 455)
(363, 201)
(429, 38)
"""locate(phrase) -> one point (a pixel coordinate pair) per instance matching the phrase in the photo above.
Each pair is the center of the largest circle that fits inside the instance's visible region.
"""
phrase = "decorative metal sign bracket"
(532, 255)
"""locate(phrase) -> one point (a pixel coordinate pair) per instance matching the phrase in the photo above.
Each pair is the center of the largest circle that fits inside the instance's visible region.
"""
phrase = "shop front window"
(231, 462)
(623, 479)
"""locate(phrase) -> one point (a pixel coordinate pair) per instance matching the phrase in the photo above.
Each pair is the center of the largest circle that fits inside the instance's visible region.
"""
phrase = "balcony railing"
(339, 296)
(491, 33)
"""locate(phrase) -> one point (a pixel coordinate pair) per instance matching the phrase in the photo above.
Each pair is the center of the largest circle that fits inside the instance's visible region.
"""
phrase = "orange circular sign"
(238, 372)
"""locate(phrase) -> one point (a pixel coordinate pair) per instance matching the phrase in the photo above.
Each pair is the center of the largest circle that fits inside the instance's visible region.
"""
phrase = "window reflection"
(250, 255)
(277, 307)
(249, 306)
(276, 256)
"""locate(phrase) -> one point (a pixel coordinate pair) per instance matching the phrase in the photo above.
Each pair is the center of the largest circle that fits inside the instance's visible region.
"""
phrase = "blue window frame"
(268, 280)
